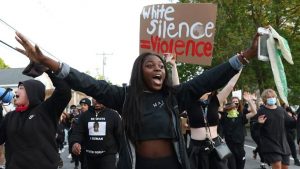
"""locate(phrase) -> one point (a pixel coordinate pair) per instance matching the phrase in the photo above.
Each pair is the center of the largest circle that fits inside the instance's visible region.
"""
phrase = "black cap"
(85, 101)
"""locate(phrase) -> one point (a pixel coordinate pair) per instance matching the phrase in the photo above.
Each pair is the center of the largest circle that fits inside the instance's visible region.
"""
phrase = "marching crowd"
(139, 126)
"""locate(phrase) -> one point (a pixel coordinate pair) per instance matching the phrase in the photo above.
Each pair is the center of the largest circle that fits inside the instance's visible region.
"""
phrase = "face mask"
(232, 113)
(271, 101)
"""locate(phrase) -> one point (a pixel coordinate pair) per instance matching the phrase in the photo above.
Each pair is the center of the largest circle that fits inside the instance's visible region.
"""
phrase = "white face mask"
(271, 101)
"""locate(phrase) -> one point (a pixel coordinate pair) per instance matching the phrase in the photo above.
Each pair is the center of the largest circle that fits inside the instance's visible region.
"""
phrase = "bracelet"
(244, 58)
(59, 68)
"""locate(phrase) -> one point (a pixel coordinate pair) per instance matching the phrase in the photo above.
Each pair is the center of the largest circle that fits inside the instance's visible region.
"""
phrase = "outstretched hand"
(247, 96)
(33, 52)
(252, 51)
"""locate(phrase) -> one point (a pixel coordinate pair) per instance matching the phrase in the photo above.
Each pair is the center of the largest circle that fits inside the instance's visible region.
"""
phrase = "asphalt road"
(255, 164)
(250, 162)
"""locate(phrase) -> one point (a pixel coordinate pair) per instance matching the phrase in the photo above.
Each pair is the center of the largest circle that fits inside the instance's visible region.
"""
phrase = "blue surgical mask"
(271, 101)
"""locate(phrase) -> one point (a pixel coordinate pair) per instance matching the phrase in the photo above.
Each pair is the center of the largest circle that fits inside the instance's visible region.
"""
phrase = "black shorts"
(274, 157)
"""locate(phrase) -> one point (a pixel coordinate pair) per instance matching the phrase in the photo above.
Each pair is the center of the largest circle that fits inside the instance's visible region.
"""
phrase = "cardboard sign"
(185, 29)
(237, 93)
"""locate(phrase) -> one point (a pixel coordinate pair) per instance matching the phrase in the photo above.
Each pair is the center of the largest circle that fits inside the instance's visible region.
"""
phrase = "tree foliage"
(2, 64)
(237, 22)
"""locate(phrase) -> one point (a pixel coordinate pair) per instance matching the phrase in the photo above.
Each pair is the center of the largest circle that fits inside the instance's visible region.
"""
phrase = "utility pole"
(103, 54)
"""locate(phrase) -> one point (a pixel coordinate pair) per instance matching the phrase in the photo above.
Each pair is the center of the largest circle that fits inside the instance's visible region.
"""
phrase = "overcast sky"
(77, 32)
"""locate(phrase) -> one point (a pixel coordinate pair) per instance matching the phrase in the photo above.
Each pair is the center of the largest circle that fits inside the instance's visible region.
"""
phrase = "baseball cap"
(85, 101)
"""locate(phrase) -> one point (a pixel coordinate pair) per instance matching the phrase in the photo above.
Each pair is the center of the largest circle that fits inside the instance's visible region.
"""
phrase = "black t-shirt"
(156, 121)
(98, 132)
(272, 132)
(233, 128)
(196, 116)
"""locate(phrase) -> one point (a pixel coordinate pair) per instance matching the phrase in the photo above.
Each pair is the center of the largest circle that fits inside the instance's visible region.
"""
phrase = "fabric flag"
(278, 47)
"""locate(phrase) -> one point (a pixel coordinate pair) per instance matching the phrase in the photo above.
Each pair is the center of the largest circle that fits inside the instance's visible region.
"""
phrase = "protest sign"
(184, 29)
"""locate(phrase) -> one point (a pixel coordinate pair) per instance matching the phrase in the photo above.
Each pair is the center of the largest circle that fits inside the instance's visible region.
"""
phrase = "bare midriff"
(155, 148)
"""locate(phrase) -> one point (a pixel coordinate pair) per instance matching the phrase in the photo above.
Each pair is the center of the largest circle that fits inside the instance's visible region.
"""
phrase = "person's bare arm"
(175, 78)
(171, 58)
(224, 93)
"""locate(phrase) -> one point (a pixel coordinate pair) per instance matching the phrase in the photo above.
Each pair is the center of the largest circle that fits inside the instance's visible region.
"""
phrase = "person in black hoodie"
(100, 130)
(149, 106)
(85, 105)
(29, 131)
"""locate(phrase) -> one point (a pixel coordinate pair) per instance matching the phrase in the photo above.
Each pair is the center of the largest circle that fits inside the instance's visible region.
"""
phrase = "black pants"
(83, 160)
(256, 138)
(202, 158)
(80, 158)
(237, 160)
(102, 162)
(290, 136)
(76, 159)
(170, 162)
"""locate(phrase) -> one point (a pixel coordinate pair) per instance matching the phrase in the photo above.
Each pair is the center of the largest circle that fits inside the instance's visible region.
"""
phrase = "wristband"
(244, 60)
(59, 68)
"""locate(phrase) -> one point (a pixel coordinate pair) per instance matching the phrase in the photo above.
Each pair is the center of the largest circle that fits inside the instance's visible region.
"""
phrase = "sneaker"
(297, 162)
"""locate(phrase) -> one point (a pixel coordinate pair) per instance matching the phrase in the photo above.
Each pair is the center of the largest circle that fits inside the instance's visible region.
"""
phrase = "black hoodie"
(29, 136)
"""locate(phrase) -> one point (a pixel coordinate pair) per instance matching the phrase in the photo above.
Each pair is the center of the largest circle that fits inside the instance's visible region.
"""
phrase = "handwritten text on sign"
(184, 29)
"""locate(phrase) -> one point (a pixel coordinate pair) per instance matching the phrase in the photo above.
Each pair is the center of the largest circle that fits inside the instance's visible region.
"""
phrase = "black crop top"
(195, 113)
(156, 122)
